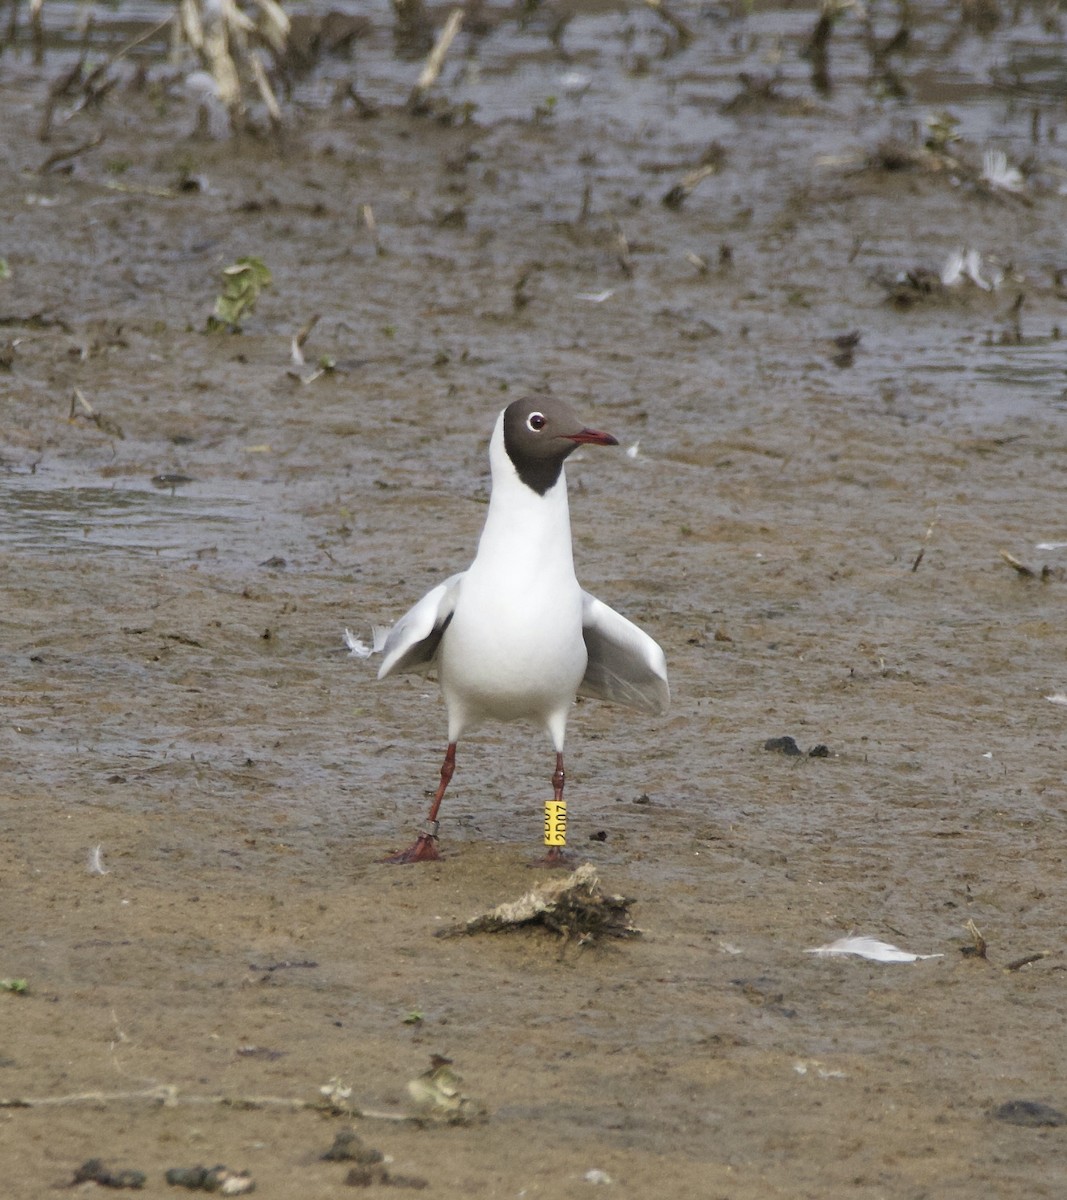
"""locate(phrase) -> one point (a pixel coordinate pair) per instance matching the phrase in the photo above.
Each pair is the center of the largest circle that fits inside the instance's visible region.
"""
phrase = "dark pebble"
(189, 1177)
(379, 1176)
(783, 745)
(819, 751)
(210, 1179)
(93, 1170)
(348, 1147)
(1029, 1112)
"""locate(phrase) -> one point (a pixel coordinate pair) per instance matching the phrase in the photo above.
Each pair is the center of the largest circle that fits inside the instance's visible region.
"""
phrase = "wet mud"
(827, 442)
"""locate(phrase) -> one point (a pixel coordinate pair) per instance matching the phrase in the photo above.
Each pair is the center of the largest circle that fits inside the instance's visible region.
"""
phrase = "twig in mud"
(1018, 963)
(1014, 336)
(435, 61)
(94, 87)
(266, 92)
(37, 31)
(1025, 571)
(61, 86)
(817, 49)
(520, 297)
(299, 338)
(372, 229)
(882, 71)
(677, 195)
(104, 424)
(587, 200)
(685, 34)
(922, 548)
(62, 156)
(167, 1095)
(978, 949)
(365, 109)
(133, 43)
(557, 29)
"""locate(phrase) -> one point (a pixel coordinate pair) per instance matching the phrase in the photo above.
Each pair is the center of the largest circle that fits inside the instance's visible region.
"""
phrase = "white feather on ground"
(868, 947)
(360, 649)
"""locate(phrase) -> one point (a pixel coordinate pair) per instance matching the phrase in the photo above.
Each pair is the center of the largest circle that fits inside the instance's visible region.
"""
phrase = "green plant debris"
(241, 285)
(437, 1095)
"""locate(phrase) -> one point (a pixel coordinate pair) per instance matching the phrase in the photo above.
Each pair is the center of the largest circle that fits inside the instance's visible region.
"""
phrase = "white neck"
(522, 526)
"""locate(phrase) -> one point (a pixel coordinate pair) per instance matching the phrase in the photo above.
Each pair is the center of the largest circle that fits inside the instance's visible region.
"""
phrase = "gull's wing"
(412, 642)
(625, 664)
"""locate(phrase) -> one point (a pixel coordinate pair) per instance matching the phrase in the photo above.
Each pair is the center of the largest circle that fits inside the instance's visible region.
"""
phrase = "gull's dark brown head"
(539, 433)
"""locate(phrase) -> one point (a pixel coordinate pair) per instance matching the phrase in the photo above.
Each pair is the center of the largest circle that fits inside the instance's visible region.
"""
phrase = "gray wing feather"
(413, 641)
(625, 665)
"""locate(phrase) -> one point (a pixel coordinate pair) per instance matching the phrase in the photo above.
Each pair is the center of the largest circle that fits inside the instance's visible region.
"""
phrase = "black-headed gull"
(514, 636)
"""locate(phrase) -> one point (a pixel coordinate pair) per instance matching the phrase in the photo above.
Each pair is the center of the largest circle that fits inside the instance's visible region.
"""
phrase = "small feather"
(356, 645)
(360, 649)
(868, 947)
(95, 865)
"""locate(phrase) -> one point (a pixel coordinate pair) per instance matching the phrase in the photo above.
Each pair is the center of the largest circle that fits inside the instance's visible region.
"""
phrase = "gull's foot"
(423, 849)
(555, 856)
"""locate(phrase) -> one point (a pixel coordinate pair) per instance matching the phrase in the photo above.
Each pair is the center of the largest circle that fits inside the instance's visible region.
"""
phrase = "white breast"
(514, 647)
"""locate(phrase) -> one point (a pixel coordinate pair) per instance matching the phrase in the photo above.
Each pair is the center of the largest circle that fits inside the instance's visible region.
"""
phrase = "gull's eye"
(536, 422)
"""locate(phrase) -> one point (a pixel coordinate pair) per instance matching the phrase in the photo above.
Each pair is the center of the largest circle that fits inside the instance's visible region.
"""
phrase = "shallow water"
(66, 519)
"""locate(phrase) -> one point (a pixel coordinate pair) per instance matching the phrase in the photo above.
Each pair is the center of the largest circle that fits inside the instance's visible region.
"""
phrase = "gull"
(514, 637)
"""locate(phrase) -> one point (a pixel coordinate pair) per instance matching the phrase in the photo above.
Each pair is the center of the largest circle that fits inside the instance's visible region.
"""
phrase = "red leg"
(556, 856)
(424, 848)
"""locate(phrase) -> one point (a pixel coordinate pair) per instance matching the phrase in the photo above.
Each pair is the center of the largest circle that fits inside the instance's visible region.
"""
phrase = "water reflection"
(35, 516)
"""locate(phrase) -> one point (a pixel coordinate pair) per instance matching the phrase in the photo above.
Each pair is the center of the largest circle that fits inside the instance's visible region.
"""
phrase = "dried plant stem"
(925, 543)
(37, 30)
(266, 92)
(677, 195)
(435, 61)
(372, 228)
(62, 156)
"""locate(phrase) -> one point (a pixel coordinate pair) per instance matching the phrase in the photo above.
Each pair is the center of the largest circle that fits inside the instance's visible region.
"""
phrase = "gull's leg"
(424, 848)
(556, 856)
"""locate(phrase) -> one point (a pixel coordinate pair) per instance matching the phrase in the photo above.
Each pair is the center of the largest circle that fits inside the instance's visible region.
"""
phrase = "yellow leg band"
(555, 823)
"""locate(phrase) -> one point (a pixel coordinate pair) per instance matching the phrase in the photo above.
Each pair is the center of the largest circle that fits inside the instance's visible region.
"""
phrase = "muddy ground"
(811, 530)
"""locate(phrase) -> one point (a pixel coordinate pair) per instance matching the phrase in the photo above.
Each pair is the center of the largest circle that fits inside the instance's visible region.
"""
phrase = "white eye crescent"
(535, 422)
